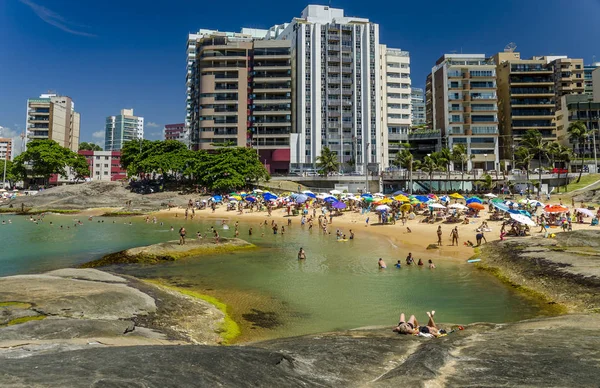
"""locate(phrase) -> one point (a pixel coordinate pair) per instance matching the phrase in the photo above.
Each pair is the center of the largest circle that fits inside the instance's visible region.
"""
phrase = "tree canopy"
(220, 169)
(45, 157)
(85, 146)
(327, 162)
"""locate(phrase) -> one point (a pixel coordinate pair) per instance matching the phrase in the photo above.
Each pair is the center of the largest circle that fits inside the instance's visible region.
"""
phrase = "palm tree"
(327, 162)
(562, 154)
(405, 159)
(486, 182)
(579, 133)
(537, 147)
(459, 155)
(523, 158)
(429, 165)
(444, 158)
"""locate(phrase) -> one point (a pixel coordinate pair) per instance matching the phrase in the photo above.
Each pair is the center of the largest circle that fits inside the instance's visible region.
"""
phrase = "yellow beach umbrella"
(401, 198)
(405, 208)
(236, 197)
(386, 200)
(456, 196)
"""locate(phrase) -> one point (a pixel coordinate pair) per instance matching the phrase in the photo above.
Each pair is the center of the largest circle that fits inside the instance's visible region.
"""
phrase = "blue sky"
(108, 55)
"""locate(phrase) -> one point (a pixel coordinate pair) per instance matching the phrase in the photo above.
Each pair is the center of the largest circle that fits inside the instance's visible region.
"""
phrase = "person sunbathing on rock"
(412, 326)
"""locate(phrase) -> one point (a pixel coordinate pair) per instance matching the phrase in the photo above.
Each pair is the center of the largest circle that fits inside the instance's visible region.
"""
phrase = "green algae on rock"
(169, 251)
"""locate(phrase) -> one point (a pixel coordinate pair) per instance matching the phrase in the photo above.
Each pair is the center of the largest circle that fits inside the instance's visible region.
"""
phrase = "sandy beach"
(421, 235)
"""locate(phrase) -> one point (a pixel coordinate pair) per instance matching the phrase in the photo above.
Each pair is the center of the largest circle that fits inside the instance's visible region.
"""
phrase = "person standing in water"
(182, 236)
(301, 254)
(439, 235)
(381, 264)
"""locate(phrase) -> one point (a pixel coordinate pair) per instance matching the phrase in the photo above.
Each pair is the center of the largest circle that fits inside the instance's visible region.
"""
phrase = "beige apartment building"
(462, 104)
(239, 91)
(53, 117)
(5, 148)
(530, 92)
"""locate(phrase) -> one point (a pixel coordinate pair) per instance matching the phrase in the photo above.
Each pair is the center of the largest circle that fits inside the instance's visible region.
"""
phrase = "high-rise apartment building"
(395, 87)
(417, 101)
(122, 128)
(579, 107)
(462, 104)
(587, 77)
(596, 84)
(5, 148)
(240, 92)
(568, 78)
(336, 67)
(53, 117)
(175, 132)
(530, 92)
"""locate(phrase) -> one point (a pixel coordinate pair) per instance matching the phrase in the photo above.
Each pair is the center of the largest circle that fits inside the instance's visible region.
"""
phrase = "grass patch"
(585, 181)
(25, 319)
(229, 328)
(17, 305)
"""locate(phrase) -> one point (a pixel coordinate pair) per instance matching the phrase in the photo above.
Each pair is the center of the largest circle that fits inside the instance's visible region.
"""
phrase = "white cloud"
(152, 124)
(15, 136)
(98, 135)
(56, 20)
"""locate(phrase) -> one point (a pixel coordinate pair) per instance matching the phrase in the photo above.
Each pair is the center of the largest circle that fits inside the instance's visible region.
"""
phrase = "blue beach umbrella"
(217, 198)
(366, 195)
(309, 193)
(330, 199)
(301, 198)
(339, 205)
(422, 198)
(250, 199)
(269, 196)
(474, 200)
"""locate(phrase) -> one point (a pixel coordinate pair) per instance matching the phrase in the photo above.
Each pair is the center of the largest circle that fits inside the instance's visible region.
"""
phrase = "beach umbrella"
(555, 209)
(400, 192)
(335, 192)
(301, 198)
(321, 196)
(414, 201)
(520, 218)
(456, 196)
(500, 206)
(330, 199)
(406, 207)
(378, 195)
(339, 205)
(383, 208)
(243, 193)
(269, 196)
(422, 198)
(236, 197)
(459, 206)
(250, 199)
(368, 199)
(525, 213)
(401, 198)
(432, 196)
(532, 202)
(437, 206)
(445, 198)
(476, 206)
(365, 195)
(217, 198)
(309, 194)
(490, 195)
(386, 201)
(257, 191)
(474, 199)
(587, 212)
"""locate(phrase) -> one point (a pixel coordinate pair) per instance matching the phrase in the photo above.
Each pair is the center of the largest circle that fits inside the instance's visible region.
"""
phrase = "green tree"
(11, 178)
(429, 166)
(562, 154)
(459, 155)
(486, 182)
(43, 158)
(538, 147)
(327, 162)
(579, 133)
(80, 167)
(523, 158)
(85, 146)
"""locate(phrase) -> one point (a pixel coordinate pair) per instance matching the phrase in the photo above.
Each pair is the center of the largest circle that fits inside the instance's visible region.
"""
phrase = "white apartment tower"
(335, 66)
(395, 91)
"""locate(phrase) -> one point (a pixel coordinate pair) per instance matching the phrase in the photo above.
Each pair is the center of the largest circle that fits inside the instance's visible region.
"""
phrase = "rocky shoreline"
(169, 251)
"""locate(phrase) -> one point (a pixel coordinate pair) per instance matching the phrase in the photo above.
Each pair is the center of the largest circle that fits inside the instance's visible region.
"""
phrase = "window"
(105, 172)
(106, 158)
(578, 84)
(577, 75)
(98, 165)
(97, 172)
(106, 166)
(97, 158)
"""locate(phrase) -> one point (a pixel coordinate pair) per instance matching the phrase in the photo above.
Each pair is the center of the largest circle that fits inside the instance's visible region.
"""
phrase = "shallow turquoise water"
(338, 286)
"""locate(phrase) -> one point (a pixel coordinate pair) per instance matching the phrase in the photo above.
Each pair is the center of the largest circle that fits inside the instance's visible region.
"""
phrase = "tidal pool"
(271, 293)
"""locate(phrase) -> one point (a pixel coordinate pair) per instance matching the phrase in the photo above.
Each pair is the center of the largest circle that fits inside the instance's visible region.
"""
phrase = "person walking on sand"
(479, 236)
(439, 235)
(182, 236)
(455, 235)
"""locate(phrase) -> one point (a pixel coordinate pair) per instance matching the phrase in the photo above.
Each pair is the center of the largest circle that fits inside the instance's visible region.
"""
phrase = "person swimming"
(381, 263)
(301, 254)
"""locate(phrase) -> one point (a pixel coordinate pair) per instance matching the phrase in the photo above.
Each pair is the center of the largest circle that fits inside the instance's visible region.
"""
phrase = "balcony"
(333, 58)
(482, 96)
(484, 130)
(333, 48)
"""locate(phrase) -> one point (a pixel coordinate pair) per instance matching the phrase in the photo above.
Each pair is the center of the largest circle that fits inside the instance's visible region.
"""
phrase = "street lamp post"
(367, 168)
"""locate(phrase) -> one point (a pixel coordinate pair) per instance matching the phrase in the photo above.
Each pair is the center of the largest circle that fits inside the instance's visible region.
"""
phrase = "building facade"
(587, 77)
(175, 132)
(462, 103)
(596, 84)
(105, 165)
(582, 108)
(568, 78)
(335, 61)
(240, 92)
(53, 117)
(396, 103)
(122, 128)
(417, 114)
(6, 148)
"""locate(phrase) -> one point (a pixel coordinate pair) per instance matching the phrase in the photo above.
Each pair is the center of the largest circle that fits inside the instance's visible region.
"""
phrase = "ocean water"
(271, 293)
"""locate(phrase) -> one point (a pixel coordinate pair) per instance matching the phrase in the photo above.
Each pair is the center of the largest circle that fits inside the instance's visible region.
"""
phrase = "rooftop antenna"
(510, 48)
